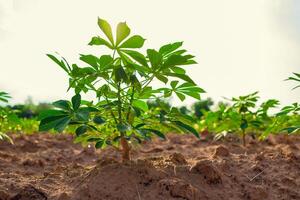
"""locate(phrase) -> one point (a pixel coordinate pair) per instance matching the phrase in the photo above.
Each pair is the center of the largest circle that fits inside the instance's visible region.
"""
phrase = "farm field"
(138, 122)
(44, 166)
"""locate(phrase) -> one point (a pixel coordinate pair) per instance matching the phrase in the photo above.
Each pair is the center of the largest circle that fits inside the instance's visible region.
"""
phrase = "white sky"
(241, 45)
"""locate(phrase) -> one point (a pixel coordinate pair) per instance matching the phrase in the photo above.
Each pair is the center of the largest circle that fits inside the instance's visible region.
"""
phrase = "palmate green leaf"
(106, 29)
(186, 89)
(141, 105)
(99, 41)
(133, 42)
(122, 32)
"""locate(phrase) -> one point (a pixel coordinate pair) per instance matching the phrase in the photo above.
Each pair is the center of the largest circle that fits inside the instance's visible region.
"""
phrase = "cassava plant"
(122, 82)
(246, 118)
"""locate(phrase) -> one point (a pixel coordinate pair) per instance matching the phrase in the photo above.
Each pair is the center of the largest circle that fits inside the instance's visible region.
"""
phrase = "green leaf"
(99, 41)
(180, 96)
(60, 63)
(81, 130)
(141, 105)
(51, 122)
(120, 74)
(174, 84)
(174, 60)
(156, 132)
(154, 57)
(90, 59)
(50, 113)
(161, 78)
(98, 120)
(122, 128)
(140, 58)
(122, 32)
(181, 76)
(106, 29)
(105, 61)
(99, 144)
(178, 70)
(168, 48)
(76, 100)
(82, 114)
(135, 41)
(187, 127)
(62, 124)
(63, 104)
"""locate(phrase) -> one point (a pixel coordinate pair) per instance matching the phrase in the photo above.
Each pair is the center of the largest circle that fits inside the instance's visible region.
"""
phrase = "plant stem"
(244, 138)
(119, 103)
(130, 103)
(125, 149)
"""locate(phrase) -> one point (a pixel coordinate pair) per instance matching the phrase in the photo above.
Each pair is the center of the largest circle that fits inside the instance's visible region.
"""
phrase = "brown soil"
(42, 166)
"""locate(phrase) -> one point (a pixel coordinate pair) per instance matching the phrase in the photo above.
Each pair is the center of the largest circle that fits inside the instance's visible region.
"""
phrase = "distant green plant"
(4, 115)
(4, 97)
(202, 106)
(122, 83)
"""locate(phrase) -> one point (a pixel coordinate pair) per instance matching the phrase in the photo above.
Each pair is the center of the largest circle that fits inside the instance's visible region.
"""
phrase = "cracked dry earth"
(44, 166)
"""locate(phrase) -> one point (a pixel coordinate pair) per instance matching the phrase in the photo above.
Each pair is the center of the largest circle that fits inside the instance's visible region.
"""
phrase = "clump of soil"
(206, 169)
(30, 193)
(221, 151)
(180, 168)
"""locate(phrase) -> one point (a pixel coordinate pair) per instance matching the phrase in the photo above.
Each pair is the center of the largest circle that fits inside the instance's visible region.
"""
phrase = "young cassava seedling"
(245, 117)
(122, 83)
